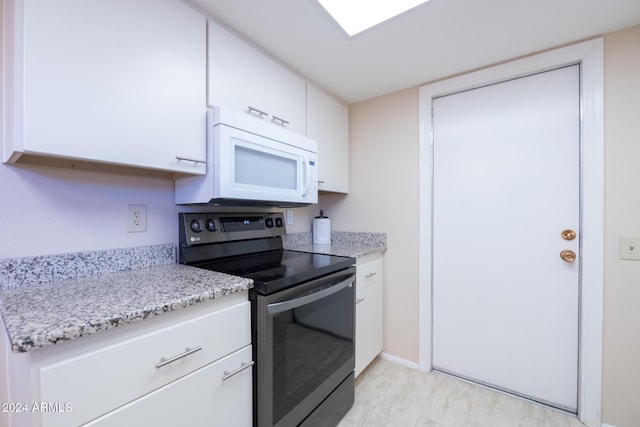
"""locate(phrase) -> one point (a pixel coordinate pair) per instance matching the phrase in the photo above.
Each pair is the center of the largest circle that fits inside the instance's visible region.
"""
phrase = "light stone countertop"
(39, 311)
(49, 299)
(343, 243)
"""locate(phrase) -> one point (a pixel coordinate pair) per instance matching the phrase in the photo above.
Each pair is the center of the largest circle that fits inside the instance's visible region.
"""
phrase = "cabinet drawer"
(368, 273)
(98, 381)
(202, 398)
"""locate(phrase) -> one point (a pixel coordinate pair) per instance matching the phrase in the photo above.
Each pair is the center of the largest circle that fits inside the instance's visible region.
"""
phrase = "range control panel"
(202, 228)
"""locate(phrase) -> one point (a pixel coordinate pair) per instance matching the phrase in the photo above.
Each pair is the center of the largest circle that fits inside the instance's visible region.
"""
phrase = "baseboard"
(400, 361)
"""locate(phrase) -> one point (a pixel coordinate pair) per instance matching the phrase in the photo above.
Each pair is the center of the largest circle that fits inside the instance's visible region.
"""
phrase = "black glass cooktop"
(280, 269)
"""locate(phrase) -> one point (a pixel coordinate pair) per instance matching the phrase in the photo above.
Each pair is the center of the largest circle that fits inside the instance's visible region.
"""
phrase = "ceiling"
(437, 39)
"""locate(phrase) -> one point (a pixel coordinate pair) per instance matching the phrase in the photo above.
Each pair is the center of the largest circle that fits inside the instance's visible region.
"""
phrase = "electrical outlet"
(289, 217)
(629, 248)
(136, 218)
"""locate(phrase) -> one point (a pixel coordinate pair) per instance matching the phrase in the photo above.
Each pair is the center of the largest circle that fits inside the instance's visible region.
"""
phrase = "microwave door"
(257, 168)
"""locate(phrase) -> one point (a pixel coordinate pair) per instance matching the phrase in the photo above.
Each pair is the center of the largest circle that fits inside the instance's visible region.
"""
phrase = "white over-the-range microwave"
(251, 162)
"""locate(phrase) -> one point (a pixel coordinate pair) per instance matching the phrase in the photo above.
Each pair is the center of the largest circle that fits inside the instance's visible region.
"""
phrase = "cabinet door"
(116, 81)
(286, 98)
(237, 72)
(328, 124)
(129, 369)
(369, 310)
(243, 78)
(368, 324)
(200, 399)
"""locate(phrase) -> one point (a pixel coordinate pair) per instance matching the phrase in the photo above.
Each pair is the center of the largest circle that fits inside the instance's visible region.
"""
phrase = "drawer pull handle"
(370, 275)
(187, 351)
(283, 122)
(188, 159)
(226, 374)
(359, 300)
(260, 113)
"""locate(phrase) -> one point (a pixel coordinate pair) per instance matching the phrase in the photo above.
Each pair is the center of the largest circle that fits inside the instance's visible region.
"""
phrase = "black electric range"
(302, 314)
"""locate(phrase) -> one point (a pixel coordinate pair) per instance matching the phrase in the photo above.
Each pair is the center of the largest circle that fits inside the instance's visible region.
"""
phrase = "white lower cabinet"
(369, 309)
(166, 370)
(210, 396)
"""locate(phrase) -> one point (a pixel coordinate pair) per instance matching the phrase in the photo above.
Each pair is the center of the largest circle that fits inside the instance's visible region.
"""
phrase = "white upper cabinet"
(328, 124)
(286, 97)
(237, 73)
(109, 81)
(243, 78)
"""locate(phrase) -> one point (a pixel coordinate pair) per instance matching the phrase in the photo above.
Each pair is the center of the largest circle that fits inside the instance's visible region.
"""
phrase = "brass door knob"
(568, 255)
(568, 234)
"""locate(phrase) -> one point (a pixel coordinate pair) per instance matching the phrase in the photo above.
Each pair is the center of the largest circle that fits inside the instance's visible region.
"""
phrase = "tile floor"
(388, 394)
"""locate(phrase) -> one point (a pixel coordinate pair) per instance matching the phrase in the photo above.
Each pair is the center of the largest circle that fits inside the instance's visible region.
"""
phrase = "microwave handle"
(307, 175)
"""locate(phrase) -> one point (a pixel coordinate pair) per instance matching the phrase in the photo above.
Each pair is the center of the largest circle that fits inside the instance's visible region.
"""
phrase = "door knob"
(568, 255)
(568, 234)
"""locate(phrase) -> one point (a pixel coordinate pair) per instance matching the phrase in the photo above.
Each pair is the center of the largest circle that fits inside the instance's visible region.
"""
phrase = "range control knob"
(196, 226)
(279, 222)
(211, 224)
(268, 222)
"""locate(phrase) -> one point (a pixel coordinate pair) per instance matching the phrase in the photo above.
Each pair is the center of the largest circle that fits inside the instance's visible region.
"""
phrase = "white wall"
(303, 218)
(621, 370)
(45, 210)
(48, 211)
(383, 197)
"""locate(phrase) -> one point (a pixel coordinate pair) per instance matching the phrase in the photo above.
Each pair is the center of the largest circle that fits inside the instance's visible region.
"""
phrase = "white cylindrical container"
(321, 230)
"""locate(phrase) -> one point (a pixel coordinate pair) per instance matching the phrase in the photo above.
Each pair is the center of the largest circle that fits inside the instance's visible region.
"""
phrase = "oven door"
(304, 344)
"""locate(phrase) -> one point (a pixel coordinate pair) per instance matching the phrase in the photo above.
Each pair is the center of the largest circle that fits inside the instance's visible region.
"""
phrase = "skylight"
(355, 16)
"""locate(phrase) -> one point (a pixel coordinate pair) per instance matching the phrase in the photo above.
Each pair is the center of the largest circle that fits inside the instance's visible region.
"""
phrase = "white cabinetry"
(109, 81)
(243, 78)
(328, 124)
(369, 286)
(202, 398)
(168, 370)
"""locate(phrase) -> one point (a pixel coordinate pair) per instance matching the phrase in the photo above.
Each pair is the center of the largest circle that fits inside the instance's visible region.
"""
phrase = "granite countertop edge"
(349, 244)
(46, 300)
(38, 314)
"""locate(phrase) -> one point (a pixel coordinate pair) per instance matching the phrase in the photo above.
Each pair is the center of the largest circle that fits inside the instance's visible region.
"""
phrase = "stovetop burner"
(250, 245)
(276, 270)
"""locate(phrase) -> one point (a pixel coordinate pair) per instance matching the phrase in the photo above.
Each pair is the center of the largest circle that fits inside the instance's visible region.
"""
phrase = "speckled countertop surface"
(342, 243)
(107, 289)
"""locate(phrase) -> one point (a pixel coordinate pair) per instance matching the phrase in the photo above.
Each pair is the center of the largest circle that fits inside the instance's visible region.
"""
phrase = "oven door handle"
(279, 307)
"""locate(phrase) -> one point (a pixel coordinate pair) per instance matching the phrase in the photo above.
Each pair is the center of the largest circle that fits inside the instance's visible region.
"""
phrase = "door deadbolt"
(568, 234)
(568, 255)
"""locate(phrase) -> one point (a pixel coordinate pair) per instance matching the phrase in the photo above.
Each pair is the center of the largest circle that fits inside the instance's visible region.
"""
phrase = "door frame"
(589, 55)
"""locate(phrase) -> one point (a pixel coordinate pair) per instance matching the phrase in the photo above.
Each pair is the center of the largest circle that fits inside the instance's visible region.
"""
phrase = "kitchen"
(57, 210)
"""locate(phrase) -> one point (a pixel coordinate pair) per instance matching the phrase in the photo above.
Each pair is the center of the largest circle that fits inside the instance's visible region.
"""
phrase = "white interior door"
(506, 184)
